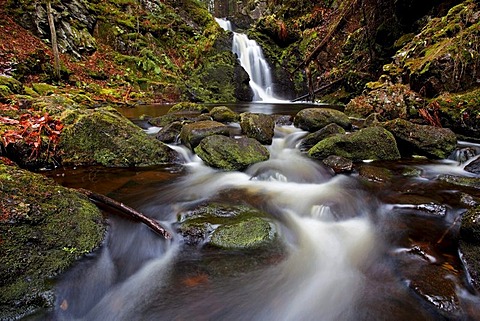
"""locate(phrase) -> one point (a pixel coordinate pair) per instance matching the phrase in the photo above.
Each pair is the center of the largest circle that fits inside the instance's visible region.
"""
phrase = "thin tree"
(53, 35)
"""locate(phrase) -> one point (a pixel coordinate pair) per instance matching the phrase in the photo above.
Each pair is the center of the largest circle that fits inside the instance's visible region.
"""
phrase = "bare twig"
(152, 224)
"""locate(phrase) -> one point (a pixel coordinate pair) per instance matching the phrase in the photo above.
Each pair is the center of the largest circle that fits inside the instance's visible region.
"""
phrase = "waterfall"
(252, 60)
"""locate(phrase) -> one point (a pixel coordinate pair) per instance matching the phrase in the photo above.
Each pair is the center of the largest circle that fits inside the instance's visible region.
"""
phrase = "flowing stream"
(252, 60)
(349, 248)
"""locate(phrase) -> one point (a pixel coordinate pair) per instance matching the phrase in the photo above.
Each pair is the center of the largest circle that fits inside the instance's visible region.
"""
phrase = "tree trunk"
(53, 34)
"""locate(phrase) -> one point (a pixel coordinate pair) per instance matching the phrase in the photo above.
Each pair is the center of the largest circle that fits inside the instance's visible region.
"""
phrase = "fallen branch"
(152, 224)
(319, 89)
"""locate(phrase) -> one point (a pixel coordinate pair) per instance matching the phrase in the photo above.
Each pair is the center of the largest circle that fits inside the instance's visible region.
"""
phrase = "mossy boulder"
(258, 126)
(372, 143)
(103, 136)
(43, 89)
(430, 141)
(313, 138)
(390, 101)
(313, 119)
(187, 107)
(224, 114)
(11, 85)
(231, 154)
(237, 227)
(44, 229)
(192, 134)
(460, 112)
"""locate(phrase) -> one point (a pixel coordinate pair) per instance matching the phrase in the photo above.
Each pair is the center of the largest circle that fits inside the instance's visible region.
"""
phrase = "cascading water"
(335, 262)
(252, 60)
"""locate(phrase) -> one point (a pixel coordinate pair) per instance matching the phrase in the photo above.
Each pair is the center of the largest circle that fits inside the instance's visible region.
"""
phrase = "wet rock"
(339, 164)
(258, 126)
(375, 174)
(170, 133)
(390, 101)
(425, 140)
(192, 134)
(474, 166)
(470, 228)
(44, 229)
(370, 143)
(313, 119)
(229, 153)
(464, 154)
(471, 258)
(313, 138)
(461, 180)
(283, 120)
(224, 114)
(103, 136)
(226, 226)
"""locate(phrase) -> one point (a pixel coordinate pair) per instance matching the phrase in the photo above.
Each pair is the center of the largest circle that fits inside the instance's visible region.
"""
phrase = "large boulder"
(170, 133)
(474, 166)
(372, 143)
(258, 126)
(430, 141)
(470, 228)
(103, 136)
(313, 119)
(192, 134)
(44, 229)
(231, 154)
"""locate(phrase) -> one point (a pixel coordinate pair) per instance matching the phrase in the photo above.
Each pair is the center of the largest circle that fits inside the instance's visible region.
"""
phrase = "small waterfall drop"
(252, 60)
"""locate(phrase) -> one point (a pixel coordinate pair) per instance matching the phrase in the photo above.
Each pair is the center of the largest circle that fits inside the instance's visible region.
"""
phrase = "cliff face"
(163, 50)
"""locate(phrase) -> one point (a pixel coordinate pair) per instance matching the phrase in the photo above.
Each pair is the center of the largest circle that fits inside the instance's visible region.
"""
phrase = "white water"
(252, 60)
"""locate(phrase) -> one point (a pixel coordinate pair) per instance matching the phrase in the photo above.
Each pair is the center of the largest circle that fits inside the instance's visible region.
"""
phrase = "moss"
(103, 136)
(38, 223)
(473, 182)
(5, 91)
(13, 85)
(43, 89)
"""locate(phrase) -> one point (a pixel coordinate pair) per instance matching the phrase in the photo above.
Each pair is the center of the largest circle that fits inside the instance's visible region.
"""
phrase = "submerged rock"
(192, 134)
(430, 141)
(313, 119)
(373, 143)
(44, 229)
(103, 136)
(229, 153)
(461, 180)
(258, 126)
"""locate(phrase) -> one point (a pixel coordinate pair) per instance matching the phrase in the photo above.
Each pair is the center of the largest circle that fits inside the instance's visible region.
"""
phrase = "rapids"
(348, 248)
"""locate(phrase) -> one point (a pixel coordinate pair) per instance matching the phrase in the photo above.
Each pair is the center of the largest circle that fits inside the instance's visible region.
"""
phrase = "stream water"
(351, 248)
